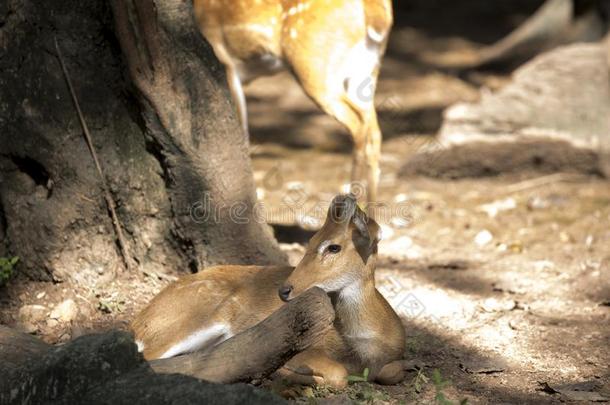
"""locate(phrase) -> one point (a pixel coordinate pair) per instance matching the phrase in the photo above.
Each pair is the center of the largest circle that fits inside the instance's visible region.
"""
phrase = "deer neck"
(356, 305)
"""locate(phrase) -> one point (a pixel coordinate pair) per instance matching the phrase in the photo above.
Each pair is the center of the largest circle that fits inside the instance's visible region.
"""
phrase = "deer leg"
(239, 98)
(359, 94)
(347, 94)
(367, 150)
(215, 38)
(363, 126)
(394, 372)
(314, 367)
(301, 378)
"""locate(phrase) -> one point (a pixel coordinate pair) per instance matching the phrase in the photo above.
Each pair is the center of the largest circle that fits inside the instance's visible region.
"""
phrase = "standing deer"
(201, 310)
(333, 48)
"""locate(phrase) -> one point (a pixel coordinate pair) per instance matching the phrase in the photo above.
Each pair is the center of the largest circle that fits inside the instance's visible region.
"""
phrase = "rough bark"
(107, 369)
(553, 116)
(262, 349)
(168, 148)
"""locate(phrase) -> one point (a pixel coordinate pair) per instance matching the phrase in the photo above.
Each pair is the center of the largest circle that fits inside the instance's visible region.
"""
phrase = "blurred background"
(496, 215)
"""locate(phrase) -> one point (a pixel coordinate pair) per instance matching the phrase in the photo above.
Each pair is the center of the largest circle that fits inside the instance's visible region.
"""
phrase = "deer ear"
(365, 235)
(342, 209)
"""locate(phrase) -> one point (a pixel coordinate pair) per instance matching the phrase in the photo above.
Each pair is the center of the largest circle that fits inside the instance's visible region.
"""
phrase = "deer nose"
(284, 292)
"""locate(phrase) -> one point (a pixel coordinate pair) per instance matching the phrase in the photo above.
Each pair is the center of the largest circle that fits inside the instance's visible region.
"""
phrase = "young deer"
(201, 310)
(333, 48)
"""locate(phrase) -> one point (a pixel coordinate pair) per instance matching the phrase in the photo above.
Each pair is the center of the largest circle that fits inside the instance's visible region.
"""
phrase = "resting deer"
(333, 48)
(201, 310)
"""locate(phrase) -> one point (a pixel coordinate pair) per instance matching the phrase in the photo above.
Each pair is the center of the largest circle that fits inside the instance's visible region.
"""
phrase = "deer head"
(342, 252)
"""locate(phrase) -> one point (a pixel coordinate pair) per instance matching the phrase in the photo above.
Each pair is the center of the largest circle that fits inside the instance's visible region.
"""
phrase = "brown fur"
(218, 294)
(314, 40)
(367, 332)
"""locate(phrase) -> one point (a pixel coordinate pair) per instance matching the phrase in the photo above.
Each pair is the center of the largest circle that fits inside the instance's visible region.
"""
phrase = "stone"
(552, 116)
(30, 315)
(106, 368)
(16, 349)
(483, 238)
(146, 388)
(66, 312)
(563, 94)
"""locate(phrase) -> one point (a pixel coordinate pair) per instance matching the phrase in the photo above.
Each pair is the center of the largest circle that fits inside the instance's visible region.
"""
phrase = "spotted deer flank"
(333, 48)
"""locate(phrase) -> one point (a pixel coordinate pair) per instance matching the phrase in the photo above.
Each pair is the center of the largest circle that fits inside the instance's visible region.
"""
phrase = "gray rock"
(71, 370)
(554, 115)
(107, 369)
(146, 388)
(561, 95)
(16, 349)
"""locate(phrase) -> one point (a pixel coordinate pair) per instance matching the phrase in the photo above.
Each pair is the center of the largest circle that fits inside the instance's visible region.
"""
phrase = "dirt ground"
(503, 282)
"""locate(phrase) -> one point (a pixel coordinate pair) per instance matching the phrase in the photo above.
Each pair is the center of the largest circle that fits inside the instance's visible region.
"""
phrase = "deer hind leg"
(314, 367)
(233, 79)
(239, 98)
(360, 84)
(366, 154)
(347, 95)
(364, 128)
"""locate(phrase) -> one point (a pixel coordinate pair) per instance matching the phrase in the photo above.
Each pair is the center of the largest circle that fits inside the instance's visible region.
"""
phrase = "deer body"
(199, 311)
(333, 48)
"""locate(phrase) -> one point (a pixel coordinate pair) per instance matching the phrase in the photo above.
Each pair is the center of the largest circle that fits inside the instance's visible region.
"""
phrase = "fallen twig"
(107, 195)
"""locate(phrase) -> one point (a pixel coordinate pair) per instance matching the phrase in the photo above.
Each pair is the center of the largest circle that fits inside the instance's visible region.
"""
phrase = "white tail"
(333, 47)
(201, 310)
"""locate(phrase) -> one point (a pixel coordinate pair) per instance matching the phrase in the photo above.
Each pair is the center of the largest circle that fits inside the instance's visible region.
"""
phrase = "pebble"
(495, 305)
(492, 209)
(67, 311)
(400, 198)
(52, 323)
(295, 185)
(483, 238)
(260, 193)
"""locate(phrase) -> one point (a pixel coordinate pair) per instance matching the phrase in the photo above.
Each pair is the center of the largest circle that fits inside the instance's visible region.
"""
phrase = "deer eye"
(333, 249)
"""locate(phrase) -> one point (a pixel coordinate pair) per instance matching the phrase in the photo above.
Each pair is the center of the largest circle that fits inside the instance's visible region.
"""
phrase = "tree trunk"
(171, 149)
